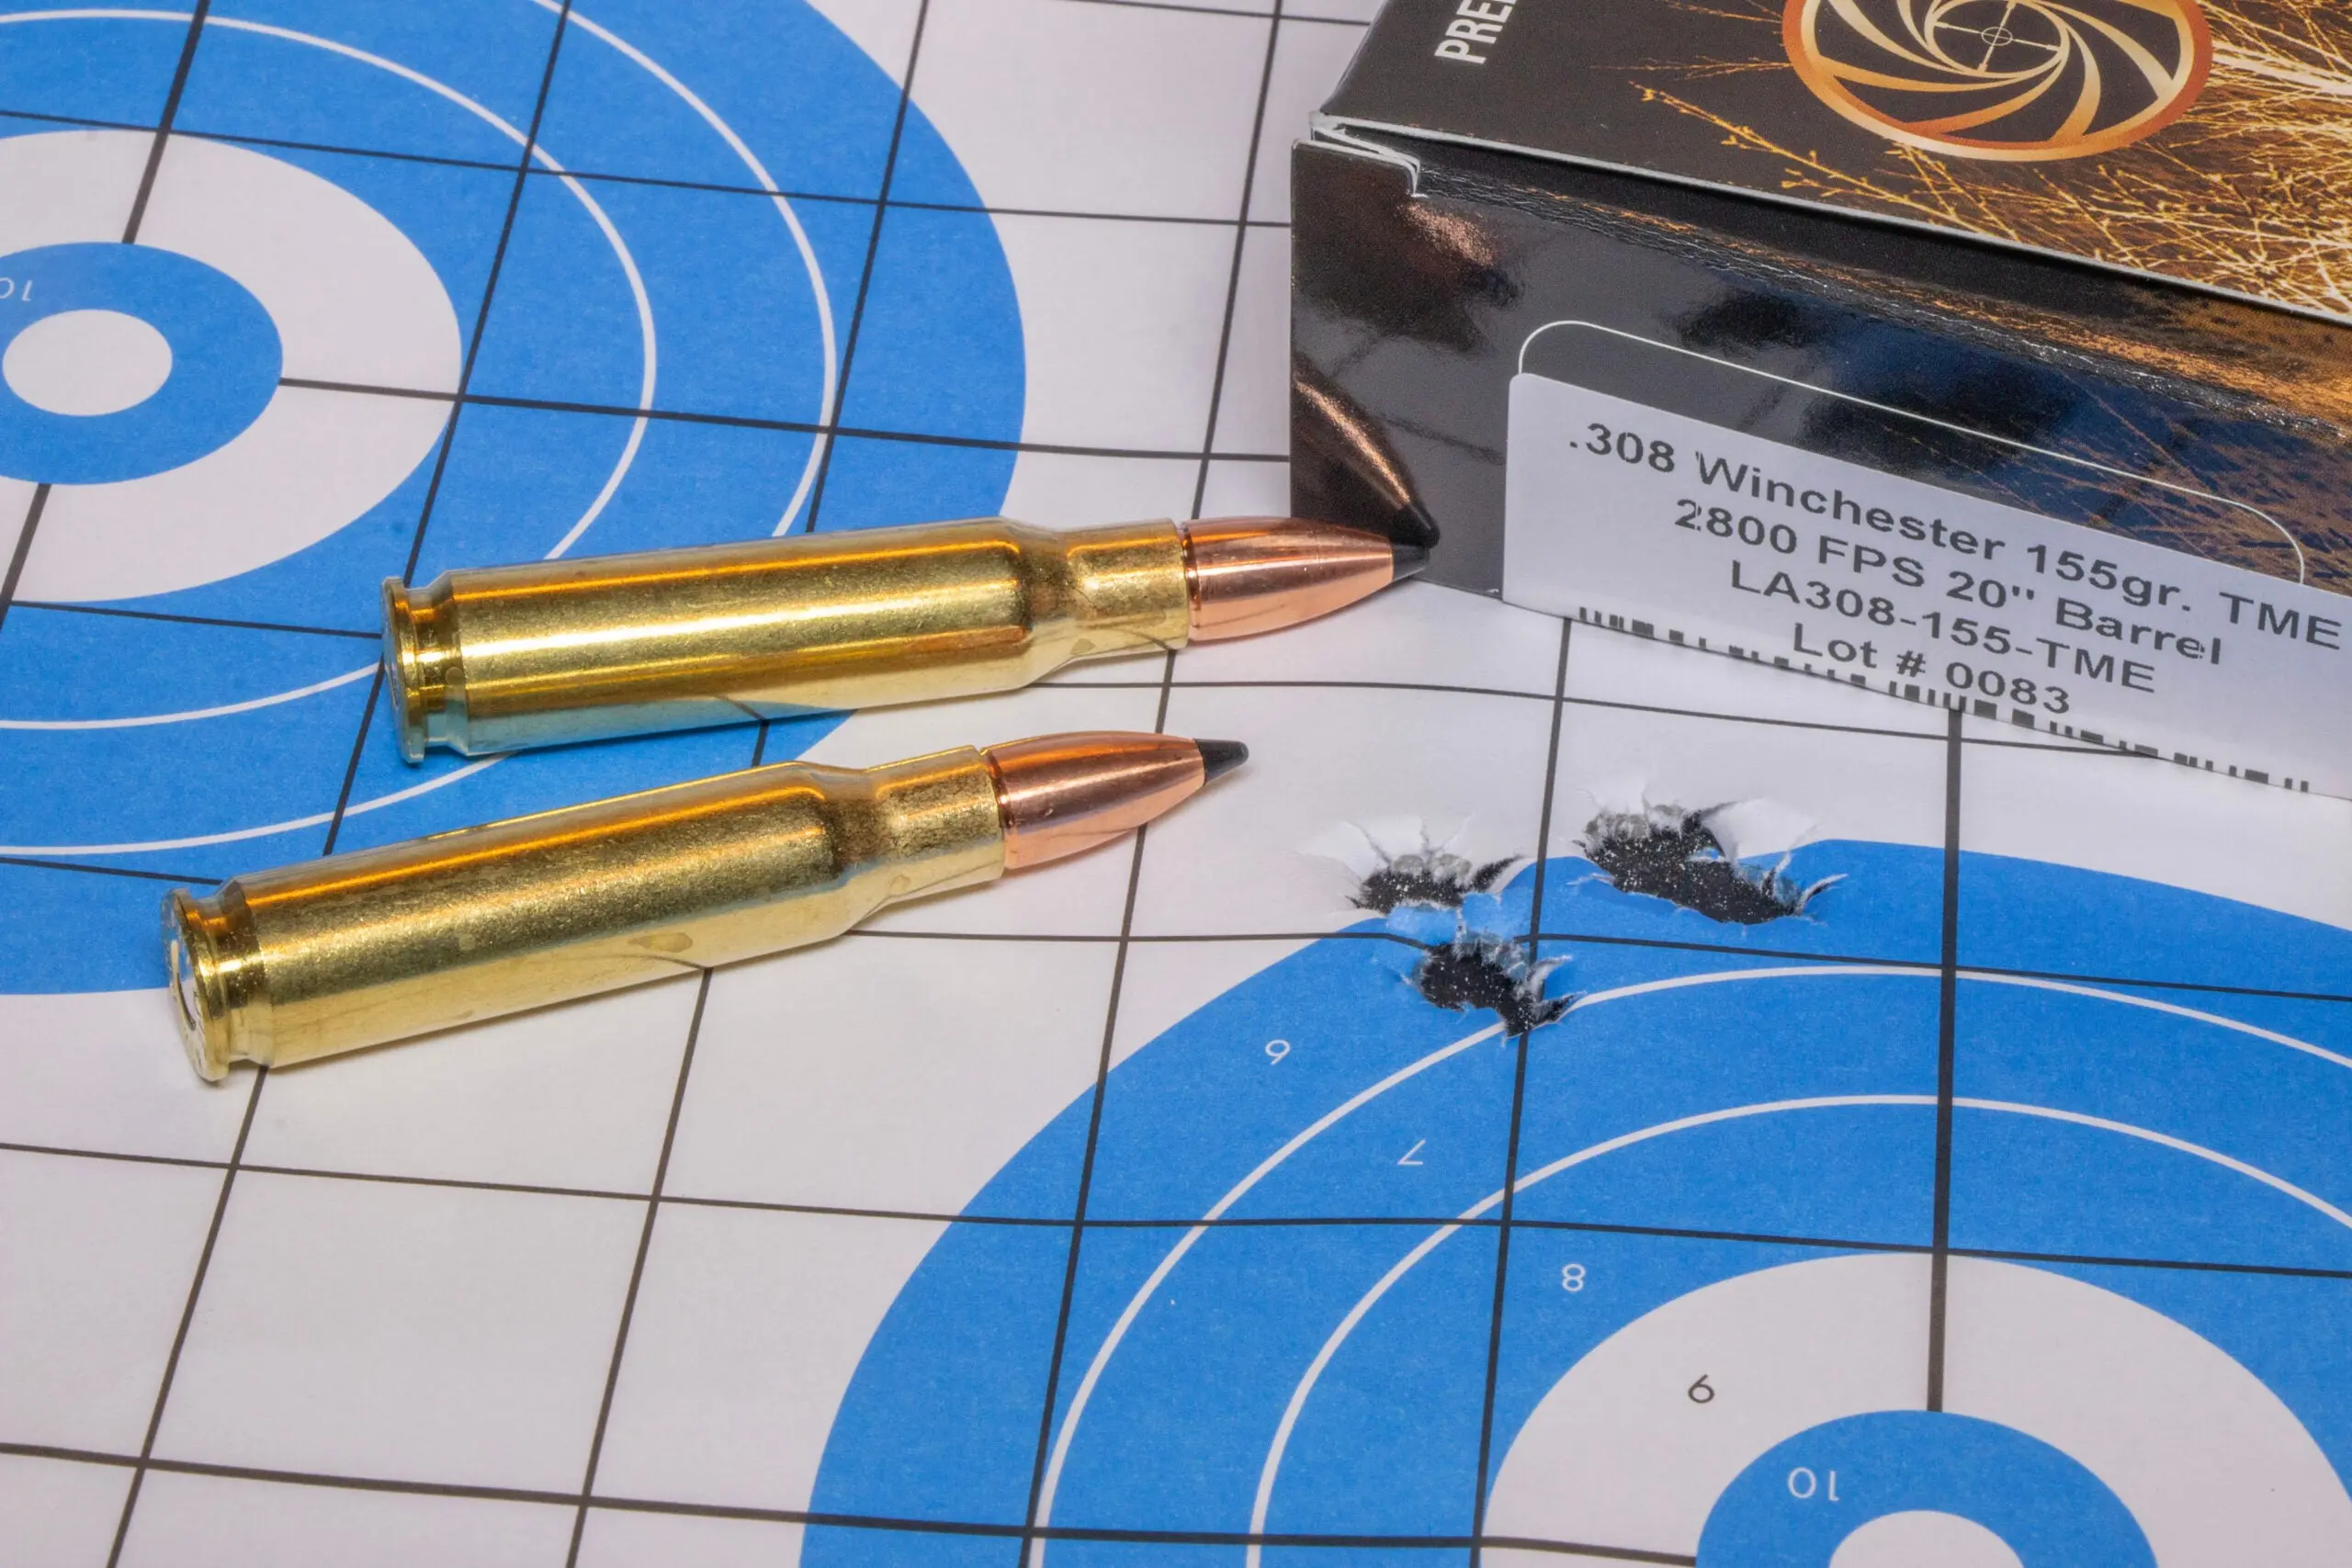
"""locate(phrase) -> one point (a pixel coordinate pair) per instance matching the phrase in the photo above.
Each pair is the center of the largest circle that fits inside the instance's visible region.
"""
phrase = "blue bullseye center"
(226, 360)
(1798, 1501)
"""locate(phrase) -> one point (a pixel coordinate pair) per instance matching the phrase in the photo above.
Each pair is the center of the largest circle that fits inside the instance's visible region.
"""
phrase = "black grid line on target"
(713, 188)
(2160, 981)
(829, 430)
(2184, 990)
(1506, 1215)
(1401, 1222)
(261, 1077)
(906, 1525)
(1050, 1393)
(808, 524)
(627, 1503)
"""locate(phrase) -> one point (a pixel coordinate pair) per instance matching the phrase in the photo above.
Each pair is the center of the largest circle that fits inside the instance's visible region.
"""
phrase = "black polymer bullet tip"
(1409, 558)
(1413, 522)
(1219, 757)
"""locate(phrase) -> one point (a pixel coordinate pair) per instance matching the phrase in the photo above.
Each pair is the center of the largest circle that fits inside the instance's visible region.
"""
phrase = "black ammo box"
(1881, 281)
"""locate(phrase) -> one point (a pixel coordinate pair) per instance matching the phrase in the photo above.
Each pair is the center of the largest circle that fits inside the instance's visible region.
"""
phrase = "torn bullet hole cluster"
(1668, 853)
(1449, 908)
(1477, 969)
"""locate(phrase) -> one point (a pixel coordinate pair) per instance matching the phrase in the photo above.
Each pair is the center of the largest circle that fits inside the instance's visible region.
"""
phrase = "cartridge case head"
(214, 986)
(420, 668)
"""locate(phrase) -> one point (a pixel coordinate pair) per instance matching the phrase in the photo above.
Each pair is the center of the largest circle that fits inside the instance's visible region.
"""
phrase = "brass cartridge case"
(363, 948)
(501, 658)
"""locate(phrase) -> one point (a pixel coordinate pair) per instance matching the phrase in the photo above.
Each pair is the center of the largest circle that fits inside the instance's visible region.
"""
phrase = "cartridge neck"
(1118, 588)
(938, 825)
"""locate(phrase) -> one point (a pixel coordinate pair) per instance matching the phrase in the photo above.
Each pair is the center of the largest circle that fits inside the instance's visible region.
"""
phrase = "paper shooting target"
(1714, 1339)
(229, 431)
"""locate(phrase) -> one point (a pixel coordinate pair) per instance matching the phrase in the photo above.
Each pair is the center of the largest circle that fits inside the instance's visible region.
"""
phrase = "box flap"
(2208, 146)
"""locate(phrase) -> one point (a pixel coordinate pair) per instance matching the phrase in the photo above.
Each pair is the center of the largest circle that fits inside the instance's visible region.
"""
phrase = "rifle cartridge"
(497, 659)
(375, 945)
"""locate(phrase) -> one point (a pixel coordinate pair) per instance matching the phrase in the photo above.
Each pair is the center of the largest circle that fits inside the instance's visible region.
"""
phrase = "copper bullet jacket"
(360, 949)
(1248, 575)
(499, 658)
(1062, 794)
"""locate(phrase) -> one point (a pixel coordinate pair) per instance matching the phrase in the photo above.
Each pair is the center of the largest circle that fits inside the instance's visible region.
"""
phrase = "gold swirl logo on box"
(2005, 79)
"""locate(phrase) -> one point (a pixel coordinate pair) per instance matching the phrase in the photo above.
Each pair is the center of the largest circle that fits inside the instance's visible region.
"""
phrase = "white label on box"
(1651, 523)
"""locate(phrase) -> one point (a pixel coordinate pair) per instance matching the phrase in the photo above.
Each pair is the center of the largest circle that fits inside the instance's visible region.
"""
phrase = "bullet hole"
(1431, 878)
(1451, 924)
(1476, 970)
(1671, 853)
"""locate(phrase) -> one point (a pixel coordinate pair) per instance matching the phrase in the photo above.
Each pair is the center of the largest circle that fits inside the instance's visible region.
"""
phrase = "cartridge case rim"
(404, 675)
(199, 1004)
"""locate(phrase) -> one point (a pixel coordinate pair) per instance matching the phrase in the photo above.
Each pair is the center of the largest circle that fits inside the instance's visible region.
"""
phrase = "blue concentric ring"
(751, 140)
(1798, 1501)
(1264, 1337)
(225, 362)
